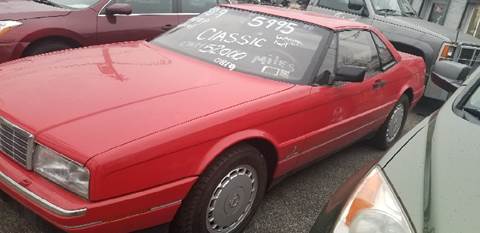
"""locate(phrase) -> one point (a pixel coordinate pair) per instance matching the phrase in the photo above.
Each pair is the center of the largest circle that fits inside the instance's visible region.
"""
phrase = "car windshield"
(259, 44)
(393, 7)
(472, 106)
(75, 4)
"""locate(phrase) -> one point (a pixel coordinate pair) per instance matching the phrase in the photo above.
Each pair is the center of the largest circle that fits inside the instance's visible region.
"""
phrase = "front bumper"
(10, 51)
(70, 213)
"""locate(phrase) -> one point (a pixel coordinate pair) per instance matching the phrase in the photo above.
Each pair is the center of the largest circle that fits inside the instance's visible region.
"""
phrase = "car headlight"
(7, 25)
(447, 51)
(373, 208)
(61, 171)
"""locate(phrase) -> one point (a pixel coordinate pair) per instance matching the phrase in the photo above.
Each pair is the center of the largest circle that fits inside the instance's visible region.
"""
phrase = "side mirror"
(354, 74)
(119, 9)
(449, 75)
(356, 5)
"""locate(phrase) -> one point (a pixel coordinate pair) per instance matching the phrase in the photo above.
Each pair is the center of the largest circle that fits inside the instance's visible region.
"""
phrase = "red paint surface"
(147, 121)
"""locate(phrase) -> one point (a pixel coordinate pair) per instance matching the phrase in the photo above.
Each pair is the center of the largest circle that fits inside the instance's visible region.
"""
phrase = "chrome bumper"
(38, 200)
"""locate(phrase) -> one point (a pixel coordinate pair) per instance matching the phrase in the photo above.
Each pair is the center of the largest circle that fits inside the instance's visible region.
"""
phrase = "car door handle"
(167, 27)
(379, 84)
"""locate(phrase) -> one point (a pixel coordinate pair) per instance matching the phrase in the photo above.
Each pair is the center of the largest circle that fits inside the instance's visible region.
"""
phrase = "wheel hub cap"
(232, 200)
(395, 123)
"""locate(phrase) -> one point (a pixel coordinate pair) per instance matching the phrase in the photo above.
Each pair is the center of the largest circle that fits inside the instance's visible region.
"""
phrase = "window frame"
(389, 65)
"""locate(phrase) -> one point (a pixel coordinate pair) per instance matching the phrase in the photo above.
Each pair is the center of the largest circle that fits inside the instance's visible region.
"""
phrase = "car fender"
(226, 142)
(52, 32)
(427, 50)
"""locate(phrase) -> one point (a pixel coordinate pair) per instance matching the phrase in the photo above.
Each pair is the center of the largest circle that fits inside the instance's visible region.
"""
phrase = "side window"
(197, 6)
(148, 6)
(386, 57)
(340, 5)
(357, 48)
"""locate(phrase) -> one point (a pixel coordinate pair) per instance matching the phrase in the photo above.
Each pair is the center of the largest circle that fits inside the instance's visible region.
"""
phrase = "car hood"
(435, 173)
(27, 9)
(418, 24)
(100, 92)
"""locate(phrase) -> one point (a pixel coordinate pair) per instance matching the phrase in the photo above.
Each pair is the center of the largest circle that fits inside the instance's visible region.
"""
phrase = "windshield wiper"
(48, 2)
(472, 111)
(387, 11)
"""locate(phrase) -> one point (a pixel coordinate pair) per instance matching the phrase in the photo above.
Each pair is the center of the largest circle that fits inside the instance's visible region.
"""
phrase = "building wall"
(454, 14)
(417, 4)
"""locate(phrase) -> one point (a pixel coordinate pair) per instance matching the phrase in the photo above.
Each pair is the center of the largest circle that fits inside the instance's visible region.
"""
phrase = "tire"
(234, 169)
(384, 138)
(46, 47)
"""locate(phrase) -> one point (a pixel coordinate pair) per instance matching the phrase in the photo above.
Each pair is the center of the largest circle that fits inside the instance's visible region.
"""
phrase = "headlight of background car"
(447, 51)
(373, 208)
(61, 171)
(6, 26)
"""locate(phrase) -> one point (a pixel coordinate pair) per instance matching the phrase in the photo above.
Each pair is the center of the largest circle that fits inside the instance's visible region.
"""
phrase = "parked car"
(408, 33)
(193, 127)
(426, 183)
(31, 27)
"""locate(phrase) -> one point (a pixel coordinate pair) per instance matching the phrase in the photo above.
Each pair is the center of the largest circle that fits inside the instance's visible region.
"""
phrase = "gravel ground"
(290, 207)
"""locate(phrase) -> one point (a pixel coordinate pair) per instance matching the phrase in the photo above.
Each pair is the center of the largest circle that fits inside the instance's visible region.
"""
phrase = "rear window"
(264, 45)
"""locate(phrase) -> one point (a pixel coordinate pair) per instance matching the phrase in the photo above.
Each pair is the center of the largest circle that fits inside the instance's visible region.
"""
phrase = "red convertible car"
(31, 27)
(191, 129)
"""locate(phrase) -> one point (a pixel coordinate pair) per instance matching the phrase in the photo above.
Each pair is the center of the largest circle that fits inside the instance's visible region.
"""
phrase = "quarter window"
(197, 6)
(386, 57)
(148, 6)
(358, 49)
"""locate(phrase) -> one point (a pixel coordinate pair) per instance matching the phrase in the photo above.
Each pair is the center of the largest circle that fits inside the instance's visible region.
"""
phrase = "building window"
(473, 26)
(438, 12)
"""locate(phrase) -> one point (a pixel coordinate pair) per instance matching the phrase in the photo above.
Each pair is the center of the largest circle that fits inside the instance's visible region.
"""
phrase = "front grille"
(468, 55)
(16, 143)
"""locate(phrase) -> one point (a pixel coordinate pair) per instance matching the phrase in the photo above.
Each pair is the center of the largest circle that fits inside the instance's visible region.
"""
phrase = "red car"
(31, 27)
(192, 128)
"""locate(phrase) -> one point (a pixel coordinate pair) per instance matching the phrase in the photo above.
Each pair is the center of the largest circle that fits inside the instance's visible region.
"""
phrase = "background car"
(408, 33)
(39, 26)
(427, 181)
(193, 127)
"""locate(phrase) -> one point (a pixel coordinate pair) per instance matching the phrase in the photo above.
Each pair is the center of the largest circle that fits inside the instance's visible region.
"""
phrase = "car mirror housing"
(356, 5)
(355, 74)
(449, 75)
(119, 9)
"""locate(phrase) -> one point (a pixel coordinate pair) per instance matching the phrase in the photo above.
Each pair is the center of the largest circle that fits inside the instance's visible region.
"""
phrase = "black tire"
(46, 47)
(381, 139)
(192, 215)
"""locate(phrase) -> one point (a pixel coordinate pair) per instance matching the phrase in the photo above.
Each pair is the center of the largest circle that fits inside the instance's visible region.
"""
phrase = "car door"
(192, 8)
(389, 79)
(345, 111)
(149, 19)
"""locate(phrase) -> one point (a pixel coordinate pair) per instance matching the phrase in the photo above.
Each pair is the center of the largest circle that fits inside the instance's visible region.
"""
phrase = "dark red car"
(30, 27)
(192, 128)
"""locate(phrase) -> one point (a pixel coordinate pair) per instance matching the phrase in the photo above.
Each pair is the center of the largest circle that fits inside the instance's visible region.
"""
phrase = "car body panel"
(22, 10)
(449, 202)
(427, 37)
(141, 117)
(88, 74)
(77, 27)
(433, 170)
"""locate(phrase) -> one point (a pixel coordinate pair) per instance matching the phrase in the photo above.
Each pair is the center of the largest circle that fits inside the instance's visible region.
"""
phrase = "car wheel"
(46, 47)
(226, 196)
(392, 128)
